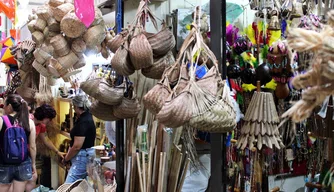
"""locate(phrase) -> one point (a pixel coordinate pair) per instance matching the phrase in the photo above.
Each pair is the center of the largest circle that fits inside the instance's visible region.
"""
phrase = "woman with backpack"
(82, 139)
(17, 145)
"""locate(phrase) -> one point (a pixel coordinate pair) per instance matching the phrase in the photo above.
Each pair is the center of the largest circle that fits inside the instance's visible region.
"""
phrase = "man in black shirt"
(82, 139)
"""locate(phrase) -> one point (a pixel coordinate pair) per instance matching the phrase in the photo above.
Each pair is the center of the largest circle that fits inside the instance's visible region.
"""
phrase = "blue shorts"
(22, 172)
(78, 168)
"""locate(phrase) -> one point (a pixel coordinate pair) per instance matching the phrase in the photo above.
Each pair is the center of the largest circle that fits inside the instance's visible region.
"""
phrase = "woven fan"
(28, 46)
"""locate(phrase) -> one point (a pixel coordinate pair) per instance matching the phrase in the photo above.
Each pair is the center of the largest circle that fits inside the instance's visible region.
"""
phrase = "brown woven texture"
(41, 56)
(40, 24)
(60, 45)
(60, 11)
(94, 35)
(80, 63)
(101, 90)
(41, 69)
(155, 98)
(38, 37)
(117, 41)
(162, 42)
(159, 66)
(43, 12)
(102, 111)
(68, 60)
(72, 26)
(121, 62)
(141, 53)
(129, 108)
(55, 3)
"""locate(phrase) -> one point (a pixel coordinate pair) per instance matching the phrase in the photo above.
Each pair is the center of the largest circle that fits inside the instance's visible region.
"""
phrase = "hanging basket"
(159, 66)
(117, 41)
(60, 45)
(40, 69)
(103, 91)
(121, 62)
(102, 111)
(156, 97)
(94, 35)
(129, 108)
(141, 53)
(162, 42)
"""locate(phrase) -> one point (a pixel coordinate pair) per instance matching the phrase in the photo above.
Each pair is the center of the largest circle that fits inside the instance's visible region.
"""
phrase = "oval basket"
(41, 69)
(101, 90)
(129, 108)
(156, 97)
(117, 41)
(162, 42)
(121, 62)
(159, 66)
(102, 111)
(60, 45)
(141, 53)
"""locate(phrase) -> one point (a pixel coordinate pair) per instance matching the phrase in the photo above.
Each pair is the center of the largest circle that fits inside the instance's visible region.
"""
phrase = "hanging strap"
(6, 120)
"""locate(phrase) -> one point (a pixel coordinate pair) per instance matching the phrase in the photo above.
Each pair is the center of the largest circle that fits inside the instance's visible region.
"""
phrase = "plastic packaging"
(84, 10)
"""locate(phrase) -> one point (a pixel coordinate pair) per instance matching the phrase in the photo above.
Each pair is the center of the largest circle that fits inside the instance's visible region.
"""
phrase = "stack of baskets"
(61, 36)
(191, 92)
(137, 49)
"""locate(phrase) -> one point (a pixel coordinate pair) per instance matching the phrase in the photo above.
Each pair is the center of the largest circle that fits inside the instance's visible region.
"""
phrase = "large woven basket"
(159, 66)
(141, 53)
(121, 62)
(102, 111)
(156, 97)
(129, 108)
(162, 42)
(101, 90)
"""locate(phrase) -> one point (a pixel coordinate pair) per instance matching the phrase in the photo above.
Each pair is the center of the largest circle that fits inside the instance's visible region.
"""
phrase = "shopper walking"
(16, 168)
(82, 139)
(42, 116)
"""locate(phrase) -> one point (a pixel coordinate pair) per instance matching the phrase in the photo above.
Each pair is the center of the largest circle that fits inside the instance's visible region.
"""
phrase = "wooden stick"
(159, 149)
(174, 173)
(163, 175)
(258, 86)
(140, 174)
(128, 176)
(144, 170)
(183, 176)
(160, 184)
(150, 155)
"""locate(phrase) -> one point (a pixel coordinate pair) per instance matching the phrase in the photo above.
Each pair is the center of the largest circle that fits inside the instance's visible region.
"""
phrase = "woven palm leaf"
(128, 108)
(102, 111)
(162, 42)
(159, 66)
(117, 41)
(121, 62)
(141, 53)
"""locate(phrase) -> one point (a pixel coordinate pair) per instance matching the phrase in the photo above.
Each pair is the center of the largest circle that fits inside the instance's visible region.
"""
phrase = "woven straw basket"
(156, 97)
(41, 69)
(159, 66)
(162, 42)
(41, 56)
(121, 62)
(101, 90)
(129, 108)
(141, 53)
(102, 111)
(60, 11)
(176, 111)
(94, 35)
(117, 41)
(60, 45)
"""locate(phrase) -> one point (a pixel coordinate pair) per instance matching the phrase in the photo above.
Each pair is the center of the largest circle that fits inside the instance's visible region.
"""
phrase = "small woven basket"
(68, 60)
(129, 108)
(41, 69)
(40, 24)
(162, 42)
(117, 41)
(159, 66)
(60, 11)
(102, 111)
(121, 62)
(141, 53)
(60, 45)
(94, 35)
(41, 56)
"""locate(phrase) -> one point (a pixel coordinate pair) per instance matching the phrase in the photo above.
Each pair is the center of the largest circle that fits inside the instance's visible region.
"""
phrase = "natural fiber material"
(94, 35)
(53, 25)
(55, 3)
(72, 26)
(41, 56)
(60, 11)
(78, 45)
(117, 41)
(40, 68)
(162, 42)
(40, 24)
(128, 108)
(159, 66)
(102, 111)
(156, 97)
(68, 60)
(38, 37)
(103, 91)
(81, 63)
(141, 53)
(121, 62)
(60, 45)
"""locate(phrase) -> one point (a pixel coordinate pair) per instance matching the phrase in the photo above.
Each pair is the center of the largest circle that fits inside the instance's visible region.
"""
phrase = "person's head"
(45, 113)
(15, 104)
(80, 104)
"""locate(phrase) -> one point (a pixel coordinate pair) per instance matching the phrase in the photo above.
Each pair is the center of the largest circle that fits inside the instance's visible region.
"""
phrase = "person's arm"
(32, 144)
(49, 144)
(77, 144)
